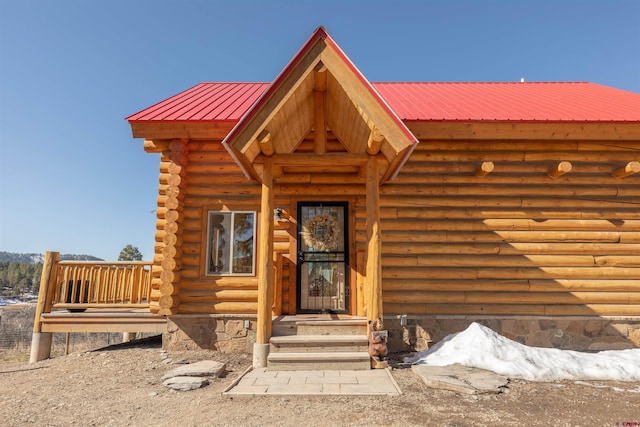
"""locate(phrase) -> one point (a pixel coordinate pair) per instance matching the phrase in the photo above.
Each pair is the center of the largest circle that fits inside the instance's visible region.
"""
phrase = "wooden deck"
(103, 320)
(101, 296)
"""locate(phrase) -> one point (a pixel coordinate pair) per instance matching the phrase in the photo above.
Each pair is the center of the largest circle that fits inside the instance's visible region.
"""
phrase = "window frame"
(209, 243)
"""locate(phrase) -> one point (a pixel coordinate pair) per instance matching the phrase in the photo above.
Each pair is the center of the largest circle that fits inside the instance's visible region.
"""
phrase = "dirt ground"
(120, 386)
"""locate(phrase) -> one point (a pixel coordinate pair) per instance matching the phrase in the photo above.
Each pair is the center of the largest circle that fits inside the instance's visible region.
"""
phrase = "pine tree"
(130, 253)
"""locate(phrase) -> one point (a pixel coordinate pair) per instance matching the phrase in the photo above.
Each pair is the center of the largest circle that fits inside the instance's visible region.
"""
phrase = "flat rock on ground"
(186, 383)
(461, 379)
(204, 368)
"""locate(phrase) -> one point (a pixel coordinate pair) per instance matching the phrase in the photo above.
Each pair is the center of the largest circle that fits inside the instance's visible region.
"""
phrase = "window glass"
(243, 243)
(230, 243)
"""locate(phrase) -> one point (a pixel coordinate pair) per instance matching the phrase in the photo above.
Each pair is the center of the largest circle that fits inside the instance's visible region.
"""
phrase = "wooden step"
(294, 326)
(318, 361)
(319, 343)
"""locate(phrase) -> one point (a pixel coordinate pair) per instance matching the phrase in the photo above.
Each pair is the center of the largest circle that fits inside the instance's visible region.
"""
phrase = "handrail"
(72, 262)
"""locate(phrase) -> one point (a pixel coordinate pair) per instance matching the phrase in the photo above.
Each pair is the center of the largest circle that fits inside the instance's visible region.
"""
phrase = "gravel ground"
(120, 386)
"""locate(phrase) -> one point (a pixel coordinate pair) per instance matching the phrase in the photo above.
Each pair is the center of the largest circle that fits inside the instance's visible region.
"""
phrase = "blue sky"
(72, 178)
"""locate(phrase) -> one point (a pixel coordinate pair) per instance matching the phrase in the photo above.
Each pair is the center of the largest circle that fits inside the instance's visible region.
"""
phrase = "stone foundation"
(567, 333)
(228, 333)
(225, 333)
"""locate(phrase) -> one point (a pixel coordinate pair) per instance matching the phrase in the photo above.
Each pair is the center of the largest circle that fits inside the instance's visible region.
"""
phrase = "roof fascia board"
(179, 130)
(478, 130)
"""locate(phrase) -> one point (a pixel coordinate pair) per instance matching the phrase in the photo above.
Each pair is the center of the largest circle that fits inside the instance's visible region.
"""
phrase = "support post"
(128, 336)
(374, 267)
(265, 267)
(41, 341)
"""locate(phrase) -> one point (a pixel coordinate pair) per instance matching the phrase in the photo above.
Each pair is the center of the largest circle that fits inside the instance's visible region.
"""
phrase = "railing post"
(41, 341)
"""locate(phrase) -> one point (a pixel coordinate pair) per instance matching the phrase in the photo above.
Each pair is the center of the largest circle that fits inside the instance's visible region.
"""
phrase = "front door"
(323, 282)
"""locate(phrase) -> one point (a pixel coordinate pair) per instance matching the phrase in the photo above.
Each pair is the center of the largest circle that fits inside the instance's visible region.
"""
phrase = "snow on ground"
(481, 347)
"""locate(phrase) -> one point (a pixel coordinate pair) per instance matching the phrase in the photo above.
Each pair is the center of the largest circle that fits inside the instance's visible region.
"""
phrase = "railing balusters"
(81, 284)
(64, 288)
(103, 281)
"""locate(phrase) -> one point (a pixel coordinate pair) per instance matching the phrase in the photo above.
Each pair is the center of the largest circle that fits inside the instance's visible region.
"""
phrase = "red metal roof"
(530, 101)
(205, 102)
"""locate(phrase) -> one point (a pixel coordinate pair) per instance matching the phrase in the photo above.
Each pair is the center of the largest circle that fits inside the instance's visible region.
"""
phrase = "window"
(230, 249)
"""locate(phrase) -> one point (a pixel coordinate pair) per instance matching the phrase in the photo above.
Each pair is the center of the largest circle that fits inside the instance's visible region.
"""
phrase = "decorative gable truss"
(320, 91)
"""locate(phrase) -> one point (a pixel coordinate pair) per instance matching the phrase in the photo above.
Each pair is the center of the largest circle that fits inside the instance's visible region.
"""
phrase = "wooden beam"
(320, 117)
(560, 169)
(307, 159)
(374, 256)
(320, 77)
(626, 170)
(265, 256)
(484, 169)
(376, 138)
(278, 171)
(156, 145)
(266, 144)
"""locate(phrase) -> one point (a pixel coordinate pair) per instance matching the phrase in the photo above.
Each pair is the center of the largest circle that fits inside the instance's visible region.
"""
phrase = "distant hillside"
(38, 258)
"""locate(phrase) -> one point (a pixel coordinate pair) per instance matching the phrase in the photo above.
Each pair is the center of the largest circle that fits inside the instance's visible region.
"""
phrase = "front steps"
(319, 343)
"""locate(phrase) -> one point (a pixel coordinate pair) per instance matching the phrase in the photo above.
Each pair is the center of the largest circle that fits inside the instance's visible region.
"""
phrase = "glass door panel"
(323, 285)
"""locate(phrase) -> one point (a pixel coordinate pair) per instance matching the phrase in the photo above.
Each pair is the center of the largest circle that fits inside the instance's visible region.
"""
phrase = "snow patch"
(481, 347)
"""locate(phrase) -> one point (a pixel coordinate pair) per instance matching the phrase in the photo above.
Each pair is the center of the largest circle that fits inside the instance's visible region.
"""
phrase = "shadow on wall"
(543, 258)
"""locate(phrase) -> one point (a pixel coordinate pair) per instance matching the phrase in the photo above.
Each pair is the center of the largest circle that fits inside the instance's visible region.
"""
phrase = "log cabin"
(429, 205)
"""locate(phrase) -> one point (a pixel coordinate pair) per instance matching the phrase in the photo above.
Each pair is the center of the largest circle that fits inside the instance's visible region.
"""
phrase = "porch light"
(403, 320)
(277, 215)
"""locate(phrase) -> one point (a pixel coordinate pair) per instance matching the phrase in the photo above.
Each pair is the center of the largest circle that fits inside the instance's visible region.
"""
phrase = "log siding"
(512, 241)
(516, 241)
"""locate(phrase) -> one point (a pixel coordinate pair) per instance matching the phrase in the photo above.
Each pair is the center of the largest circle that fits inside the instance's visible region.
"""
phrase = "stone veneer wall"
(567, 333)
(225, 333)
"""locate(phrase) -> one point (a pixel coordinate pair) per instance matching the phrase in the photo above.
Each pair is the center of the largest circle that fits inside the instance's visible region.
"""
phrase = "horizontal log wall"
(516, 240)
(215, 182)
(513, 240)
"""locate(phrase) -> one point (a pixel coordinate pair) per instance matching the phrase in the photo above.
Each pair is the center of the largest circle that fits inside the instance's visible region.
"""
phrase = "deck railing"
(78, 285)
(122, 288)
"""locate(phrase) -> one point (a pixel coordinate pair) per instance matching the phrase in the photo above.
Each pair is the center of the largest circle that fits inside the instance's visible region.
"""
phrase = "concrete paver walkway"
(260, 381)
